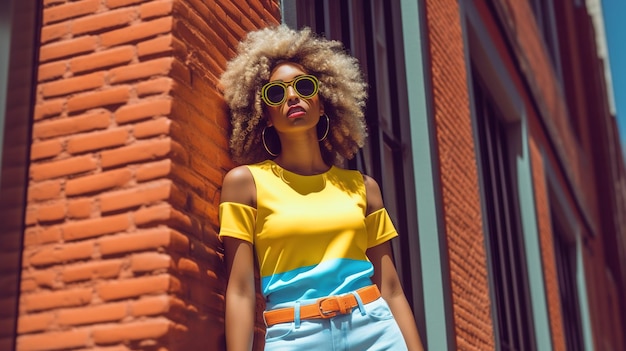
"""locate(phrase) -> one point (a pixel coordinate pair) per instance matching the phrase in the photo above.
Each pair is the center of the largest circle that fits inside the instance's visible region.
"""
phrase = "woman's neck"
(301, 156)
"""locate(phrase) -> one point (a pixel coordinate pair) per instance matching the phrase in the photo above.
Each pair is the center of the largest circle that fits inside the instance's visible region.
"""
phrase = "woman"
(319, 233)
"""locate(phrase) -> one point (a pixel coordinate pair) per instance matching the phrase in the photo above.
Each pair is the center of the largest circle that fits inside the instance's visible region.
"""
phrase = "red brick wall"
(129, 149)
(459, 178)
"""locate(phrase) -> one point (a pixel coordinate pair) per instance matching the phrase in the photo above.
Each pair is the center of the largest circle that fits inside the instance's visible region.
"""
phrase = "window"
(546, 23)
(367, 31)
(503, 231)
(565, 256)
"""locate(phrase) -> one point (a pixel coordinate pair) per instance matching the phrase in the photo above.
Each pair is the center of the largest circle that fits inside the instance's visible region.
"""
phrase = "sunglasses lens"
(306, 87)
(275, 94)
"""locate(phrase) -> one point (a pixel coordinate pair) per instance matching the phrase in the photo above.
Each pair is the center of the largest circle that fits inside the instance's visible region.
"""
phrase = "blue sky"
(614, 12)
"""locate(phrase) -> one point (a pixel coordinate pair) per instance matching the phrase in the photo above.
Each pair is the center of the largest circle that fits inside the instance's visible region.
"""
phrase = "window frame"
(389, 141)
(488, 64)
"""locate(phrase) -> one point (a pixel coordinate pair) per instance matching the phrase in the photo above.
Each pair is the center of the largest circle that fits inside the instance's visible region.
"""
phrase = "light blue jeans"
(369, 327)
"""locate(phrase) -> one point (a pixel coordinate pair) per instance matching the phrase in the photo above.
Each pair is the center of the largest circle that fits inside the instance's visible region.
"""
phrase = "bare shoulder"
(238, 186)
(373, 194)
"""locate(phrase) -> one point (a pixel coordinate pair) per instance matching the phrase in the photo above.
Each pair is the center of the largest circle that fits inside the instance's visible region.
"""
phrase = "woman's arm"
(238, 186)
(240, 295)
(386, 277)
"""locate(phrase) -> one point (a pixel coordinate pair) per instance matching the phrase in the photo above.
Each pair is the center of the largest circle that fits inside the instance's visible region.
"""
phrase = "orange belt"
(325, 307)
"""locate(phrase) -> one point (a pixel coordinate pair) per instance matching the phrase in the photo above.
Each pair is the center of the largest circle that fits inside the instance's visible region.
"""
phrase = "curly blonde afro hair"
(342, 90)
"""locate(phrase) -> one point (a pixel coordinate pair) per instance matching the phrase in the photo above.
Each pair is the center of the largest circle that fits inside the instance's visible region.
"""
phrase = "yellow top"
(310, 232)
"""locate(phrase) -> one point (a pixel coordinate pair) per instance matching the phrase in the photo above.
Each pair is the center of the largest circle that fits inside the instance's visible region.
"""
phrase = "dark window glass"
(565, 256)
(505, 244)
(546, 23)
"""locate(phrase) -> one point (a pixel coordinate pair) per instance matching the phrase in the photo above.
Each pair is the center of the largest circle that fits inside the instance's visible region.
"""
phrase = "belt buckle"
(327, 314)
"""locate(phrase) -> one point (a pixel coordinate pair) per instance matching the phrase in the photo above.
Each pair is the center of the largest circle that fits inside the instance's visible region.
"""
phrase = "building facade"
(491, 131)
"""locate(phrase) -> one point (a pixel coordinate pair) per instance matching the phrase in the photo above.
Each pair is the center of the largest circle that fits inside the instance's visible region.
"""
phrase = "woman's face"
(295, 114)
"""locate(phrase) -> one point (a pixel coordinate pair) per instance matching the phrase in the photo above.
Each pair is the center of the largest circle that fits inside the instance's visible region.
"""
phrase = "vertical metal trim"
(581, 284)
(534, 260)
(19, 39)
(288, 10)
(6, 24)
(433, 251)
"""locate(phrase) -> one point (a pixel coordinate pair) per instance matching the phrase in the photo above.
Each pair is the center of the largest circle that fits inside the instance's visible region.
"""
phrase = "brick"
(134, 287)
(160, 126)
(95, 227)
(34, 322)
(46, 278)
(49, 235)
(98, 182)
(149, 261)
(142, 110)
(62, 340)
(31, 216)
(51, 212)
(30, 236)
(136, 32)
(52, 70)
(154, 86)
(97, 140)
(55, 169)
(102, 59)
(38, 235)
(181, 71)
(110, 312)
(159, 213)
(92, 270)
(60, 253)
(79, 208)
(133, 242)
(44, 191)
(148, 69)
(156, 8)
(71, 125)
(54, 31)
(119, 3)
(70, 10)
(179, 242)
(73, 85)
(48, 108)
(188, 267)
(124, 332)
(66, 48)
(27, 285)
(139, 151)
(86, 101)
(49, 300)
(102, 21)
(45, 149)
(154, 170)
(150, 306)
(47, 3)
(159, 45)
(144, 195)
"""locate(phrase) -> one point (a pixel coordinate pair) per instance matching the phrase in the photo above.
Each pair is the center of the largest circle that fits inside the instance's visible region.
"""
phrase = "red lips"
(295, 111)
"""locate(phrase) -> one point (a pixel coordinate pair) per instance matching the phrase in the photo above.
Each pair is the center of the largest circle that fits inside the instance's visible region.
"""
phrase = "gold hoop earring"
(327, 128)
(265, 143)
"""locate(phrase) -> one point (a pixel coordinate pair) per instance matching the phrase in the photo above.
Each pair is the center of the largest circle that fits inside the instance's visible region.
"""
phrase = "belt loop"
(296, 314)
(359, 302)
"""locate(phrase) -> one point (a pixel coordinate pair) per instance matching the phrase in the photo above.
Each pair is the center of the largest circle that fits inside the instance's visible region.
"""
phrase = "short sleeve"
(379, 228)
(237, 221)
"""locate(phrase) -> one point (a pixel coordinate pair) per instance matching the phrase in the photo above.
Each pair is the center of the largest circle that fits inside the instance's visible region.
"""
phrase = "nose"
(291, 94)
